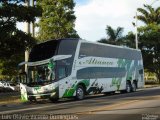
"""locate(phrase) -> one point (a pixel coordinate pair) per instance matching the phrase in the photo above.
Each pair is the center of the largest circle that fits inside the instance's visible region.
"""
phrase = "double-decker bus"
(75, 68)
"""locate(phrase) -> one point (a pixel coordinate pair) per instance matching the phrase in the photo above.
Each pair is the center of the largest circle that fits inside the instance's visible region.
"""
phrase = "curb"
(151, 86)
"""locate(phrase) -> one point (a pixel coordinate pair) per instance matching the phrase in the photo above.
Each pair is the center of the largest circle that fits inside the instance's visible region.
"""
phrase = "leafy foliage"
(129, 40)
(149, 36)
(150, 46)
(57, 19)
(149, 14)
(113, 36)
(13, 42)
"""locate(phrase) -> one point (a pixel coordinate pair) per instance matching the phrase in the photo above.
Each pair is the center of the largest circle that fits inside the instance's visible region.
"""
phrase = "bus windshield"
(42, 74)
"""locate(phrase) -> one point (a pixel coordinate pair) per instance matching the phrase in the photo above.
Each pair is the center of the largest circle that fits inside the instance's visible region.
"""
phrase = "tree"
(129, 40)
(57, 19)
(113, 36)
(149, 38)
(13, 41)
(149, 14)
(150, 46)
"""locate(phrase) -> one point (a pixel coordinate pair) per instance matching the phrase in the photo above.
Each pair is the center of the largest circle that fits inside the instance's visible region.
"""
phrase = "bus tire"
(32, 99)
(128, 87)
(134, 87)
(80, 93)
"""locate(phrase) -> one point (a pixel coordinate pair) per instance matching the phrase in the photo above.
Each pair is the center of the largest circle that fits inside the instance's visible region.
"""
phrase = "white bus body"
(89, 68)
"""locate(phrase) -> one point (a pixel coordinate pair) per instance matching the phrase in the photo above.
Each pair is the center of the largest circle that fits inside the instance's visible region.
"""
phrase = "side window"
(67, 47)
(101, 72)
(88, 49)
(62, 72)
(22, 78)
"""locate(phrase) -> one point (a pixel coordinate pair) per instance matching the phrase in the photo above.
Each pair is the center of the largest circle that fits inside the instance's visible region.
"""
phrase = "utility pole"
(28, 32)
(136, 37)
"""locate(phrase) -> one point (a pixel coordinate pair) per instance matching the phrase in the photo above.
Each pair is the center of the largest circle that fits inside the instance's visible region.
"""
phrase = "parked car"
(8, 87)
(5, 87)
(1, 86)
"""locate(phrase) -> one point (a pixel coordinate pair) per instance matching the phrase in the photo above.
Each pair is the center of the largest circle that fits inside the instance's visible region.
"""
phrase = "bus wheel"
(128, 87)
(80, 92)
(32, 99)
(134, 87)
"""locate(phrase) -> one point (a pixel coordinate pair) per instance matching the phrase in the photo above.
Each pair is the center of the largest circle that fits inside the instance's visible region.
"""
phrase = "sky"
(94, 15)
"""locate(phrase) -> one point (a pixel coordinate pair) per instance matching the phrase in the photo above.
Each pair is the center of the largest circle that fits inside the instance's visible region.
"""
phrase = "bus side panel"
(101, 84)
(67, 87)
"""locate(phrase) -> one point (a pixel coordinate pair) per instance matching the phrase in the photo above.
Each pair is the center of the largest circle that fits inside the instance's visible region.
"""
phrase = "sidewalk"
(151, 86)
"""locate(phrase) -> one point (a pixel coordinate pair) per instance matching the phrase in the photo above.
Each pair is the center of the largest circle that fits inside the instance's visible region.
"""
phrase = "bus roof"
(124, 47)
(59, 40)
(110, 45)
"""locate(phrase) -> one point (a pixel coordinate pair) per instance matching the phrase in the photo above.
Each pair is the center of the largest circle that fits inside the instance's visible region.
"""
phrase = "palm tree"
(113, 36)
(129, 40)
(149, 14)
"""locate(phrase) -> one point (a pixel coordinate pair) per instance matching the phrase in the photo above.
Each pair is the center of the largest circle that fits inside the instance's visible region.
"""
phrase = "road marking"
(109, 107)
(115, 105)
(145, 97)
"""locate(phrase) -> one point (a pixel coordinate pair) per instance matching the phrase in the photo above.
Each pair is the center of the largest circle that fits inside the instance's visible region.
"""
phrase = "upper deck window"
(96, 50)
(48, 49)
(67, 47)
(43, 51)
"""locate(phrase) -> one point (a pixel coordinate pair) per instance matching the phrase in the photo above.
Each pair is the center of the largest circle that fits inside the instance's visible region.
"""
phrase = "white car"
(5, 86)
(8, 86)
(1, 86)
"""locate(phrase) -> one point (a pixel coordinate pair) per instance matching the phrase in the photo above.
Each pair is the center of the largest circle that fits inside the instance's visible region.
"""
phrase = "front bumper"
(42, 96)
(41, 92)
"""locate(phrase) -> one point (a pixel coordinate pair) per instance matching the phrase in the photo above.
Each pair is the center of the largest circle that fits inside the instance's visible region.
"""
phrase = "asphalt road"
(141, 105)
